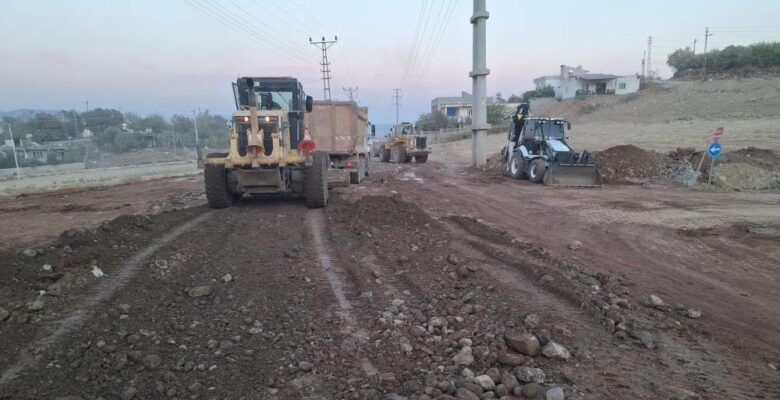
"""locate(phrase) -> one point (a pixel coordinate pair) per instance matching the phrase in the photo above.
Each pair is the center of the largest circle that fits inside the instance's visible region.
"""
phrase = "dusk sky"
(173, 56)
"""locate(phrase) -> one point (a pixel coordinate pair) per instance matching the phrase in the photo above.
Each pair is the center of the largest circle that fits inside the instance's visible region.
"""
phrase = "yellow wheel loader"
(403, 145)
(269, 150)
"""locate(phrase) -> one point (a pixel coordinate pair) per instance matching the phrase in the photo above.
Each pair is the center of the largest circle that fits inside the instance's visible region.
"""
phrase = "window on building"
(622, 85)
(452, 111)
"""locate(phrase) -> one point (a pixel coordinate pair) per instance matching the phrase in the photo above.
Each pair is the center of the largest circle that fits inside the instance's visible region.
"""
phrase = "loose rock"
(529, 375)
(511, 359)
(465, 394)
(464, 356)
(575, 245)
(525, 343)
(4, 314)
(227, 278)
(693, 313)
(305, 366)
(200, 291)
(556, 352)
(36, 305)
(531, 321)
(531, 390)
(554, 394)
(486, 383)
(654, 301)
(151, 361)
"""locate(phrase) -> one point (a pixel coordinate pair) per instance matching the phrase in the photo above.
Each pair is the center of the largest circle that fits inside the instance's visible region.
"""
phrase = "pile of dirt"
(496, 164)
(626, 164)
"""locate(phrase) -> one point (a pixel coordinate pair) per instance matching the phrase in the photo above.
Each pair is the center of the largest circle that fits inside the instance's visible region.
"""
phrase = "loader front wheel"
(399, 154)
(217, 194)
(421, 159)
(384, 155)
(536, 171)
(316, 190)
(516, 166)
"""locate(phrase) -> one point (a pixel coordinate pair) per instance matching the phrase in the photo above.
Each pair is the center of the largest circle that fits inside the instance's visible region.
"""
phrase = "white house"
(576, 81)
(454, 107)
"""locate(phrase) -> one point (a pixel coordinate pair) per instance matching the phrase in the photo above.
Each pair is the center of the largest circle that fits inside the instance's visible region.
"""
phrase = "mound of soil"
(626, 164)
(759, 158)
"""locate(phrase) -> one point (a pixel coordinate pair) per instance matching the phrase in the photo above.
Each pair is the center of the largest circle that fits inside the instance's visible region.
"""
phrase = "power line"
(438, 41)
(428, 46)
(325, 45)
(415, 41)
(417, 48)
(245, 28)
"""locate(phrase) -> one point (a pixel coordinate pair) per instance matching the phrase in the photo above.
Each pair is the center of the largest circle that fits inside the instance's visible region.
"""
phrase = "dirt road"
(403, 287)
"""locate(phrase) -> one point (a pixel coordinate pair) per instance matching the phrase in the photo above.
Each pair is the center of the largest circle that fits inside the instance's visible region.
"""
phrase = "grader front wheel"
(316, 190)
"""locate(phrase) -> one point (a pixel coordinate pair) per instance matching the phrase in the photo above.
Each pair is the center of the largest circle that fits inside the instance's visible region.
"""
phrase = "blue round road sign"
(714, 149)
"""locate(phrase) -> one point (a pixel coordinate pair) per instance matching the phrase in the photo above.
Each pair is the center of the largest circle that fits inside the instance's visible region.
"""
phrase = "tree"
(435, 121)
(155, 122)
(547, 91)
(98, 120)
(496, 112)
(105, 138)
(514, 99)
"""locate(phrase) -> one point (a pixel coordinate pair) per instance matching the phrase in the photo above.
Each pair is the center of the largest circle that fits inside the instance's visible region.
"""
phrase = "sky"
(174, 56)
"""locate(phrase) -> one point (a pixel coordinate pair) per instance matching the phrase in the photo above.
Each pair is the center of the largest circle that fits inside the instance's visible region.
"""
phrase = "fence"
(447, 135)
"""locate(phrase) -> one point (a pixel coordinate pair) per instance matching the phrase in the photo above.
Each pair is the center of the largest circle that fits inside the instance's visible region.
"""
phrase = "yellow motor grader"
(270, 151)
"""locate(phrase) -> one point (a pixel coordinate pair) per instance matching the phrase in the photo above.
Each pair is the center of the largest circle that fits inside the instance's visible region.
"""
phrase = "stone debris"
(529, 375)
(556, 351)
(200, 291)
(98, 273)
(524, 343)
(464, 356)
(575, 245)
(554, 394)
(485, 382)
(227, 278)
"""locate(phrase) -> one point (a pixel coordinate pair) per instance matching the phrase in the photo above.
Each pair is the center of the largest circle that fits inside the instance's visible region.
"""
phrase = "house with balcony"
(577, 81)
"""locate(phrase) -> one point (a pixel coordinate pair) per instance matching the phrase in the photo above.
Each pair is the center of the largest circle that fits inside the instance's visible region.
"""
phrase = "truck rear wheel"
(217, 194)
(421, 159)
(536, 170)
(316, 190)
(356, 177)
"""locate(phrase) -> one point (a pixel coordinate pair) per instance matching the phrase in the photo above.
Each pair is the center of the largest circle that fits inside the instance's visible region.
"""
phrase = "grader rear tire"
(316, 190)
(217, 194)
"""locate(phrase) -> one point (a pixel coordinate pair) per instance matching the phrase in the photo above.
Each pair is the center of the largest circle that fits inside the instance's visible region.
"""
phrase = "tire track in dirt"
(127, 271)
(334, 275)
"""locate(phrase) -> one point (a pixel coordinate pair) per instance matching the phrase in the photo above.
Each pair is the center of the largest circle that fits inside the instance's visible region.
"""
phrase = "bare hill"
(677, 114)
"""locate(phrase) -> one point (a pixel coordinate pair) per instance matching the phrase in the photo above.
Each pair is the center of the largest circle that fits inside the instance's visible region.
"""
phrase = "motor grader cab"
(270, 151)
(403, 145)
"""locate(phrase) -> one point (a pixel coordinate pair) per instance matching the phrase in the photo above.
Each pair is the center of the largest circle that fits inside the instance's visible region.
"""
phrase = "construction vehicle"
(539, 150)
(403, 145)
(340, 128)
(269, 151)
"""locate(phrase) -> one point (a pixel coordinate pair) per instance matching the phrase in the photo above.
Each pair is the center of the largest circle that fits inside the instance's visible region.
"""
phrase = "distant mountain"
(25, 112)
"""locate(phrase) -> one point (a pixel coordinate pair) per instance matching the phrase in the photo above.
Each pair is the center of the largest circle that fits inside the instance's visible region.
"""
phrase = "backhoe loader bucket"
(577, 175)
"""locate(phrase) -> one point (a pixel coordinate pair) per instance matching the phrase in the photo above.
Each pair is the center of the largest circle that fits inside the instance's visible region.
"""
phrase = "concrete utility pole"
(478, 74)
(197, 139)
(397, 97)
(13, 148)
(650, 56)
(351, 92)
(707, 35)
(644, 56)
(324, 45)
(694, 46)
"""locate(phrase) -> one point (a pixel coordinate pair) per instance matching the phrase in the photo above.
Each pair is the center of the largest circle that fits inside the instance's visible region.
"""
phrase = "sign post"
(714, 151)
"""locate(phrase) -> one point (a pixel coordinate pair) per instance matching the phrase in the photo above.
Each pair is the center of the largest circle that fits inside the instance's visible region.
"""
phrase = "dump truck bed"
(338, 127)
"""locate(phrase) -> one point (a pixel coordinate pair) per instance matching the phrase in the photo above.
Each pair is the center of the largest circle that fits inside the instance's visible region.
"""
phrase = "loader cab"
(281, 104)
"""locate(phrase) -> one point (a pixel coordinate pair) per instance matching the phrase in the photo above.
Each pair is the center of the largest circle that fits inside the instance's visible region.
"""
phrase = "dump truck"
(340, 128)
(403, 145)
(269, 152)
(538, 149)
